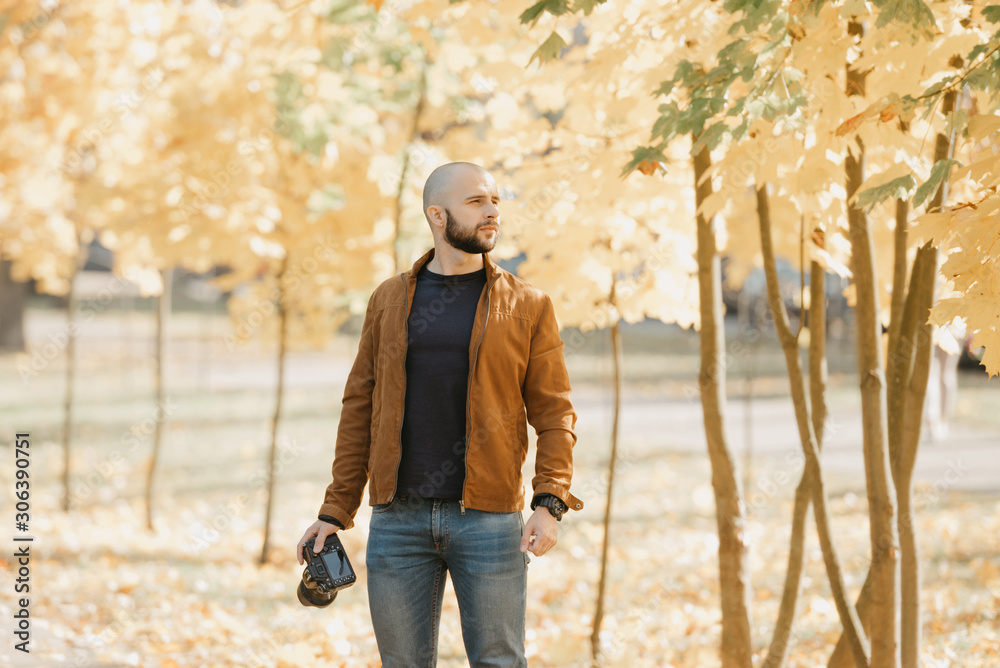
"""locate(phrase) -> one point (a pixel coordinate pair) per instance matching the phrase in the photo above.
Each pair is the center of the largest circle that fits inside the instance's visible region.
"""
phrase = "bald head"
(439, 188)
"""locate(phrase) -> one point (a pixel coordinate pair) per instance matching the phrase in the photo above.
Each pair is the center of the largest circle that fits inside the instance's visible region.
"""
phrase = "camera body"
(326, 573)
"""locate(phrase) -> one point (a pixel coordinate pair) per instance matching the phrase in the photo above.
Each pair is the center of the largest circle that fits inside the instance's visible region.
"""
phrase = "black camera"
(326, 573)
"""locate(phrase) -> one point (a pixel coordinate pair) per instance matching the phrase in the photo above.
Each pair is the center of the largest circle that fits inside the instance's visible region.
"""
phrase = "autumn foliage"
(635, 144)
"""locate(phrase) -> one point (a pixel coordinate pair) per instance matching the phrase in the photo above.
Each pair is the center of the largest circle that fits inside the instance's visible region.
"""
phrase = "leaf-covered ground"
(107, 592)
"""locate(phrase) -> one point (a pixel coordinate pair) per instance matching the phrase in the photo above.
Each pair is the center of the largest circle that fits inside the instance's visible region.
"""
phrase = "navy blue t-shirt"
(437, 383)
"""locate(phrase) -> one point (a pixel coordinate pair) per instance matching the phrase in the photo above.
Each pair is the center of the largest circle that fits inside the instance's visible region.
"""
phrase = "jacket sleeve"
(350, 457)
(549, 410)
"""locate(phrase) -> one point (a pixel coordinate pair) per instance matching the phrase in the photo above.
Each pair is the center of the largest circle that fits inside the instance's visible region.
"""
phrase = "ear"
(436, 215)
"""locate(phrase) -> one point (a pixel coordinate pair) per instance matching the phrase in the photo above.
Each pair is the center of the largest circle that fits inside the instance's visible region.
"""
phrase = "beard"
(467, 242)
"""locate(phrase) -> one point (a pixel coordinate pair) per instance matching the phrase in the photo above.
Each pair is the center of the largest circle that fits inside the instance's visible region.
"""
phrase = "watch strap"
(552, 503)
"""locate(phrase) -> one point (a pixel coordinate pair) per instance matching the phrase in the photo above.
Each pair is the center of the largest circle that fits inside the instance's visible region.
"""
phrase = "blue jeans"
(413, 543)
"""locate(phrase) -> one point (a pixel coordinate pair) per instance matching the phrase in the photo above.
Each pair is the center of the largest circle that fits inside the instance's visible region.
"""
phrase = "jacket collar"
(492, 270)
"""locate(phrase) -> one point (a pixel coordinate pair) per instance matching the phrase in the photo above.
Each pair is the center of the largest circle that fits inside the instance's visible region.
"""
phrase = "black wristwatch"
(552, 503)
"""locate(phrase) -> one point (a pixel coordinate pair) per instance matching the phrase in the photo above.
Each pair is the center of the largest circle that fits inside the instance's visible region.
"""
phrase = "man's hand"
(321, 530)
(540, 532)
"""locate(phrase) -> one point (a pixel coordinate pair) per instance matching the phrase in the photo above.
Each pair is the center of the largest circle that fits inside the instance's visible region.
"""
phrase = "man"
(455, 355)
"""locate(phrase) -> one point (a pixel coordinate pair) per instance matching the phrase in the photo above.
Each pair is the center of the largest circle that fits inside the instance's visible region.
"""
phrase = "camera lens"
(313, 597)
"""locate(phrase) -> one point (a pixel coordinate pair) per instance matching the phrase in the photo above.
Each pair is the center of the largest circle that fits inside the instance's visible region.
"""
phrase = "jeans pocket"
(382, 507)
(527, 557)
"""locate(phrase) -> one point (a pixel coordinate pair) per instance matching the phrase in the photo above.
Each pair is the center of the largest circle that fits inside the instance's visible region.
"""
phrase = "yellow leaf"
(983, 125)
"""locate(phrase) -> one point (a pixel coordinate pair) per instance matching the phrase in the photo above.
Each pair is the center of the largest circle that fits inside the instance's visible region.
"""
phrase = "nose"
(493, 211)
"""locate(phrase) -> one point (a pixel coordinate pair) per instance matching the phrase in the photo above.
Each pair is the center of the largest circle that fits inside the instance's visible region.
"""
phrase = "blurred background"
(198, 197)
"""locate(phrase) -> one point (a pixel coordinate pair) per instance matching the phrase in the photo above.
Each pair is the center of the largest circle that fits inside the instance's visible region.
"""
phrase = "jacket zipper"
(468, 393)
(406, 342)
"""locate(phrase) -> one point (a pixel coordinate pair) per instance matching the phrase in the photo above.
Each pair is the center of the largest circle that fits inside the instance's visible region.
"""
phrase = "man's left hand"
(540, 532)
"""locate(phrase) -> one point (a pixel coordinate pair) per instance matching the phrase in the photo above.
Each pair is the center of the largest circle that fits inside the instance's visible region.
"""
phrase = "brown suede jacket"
(516, 372)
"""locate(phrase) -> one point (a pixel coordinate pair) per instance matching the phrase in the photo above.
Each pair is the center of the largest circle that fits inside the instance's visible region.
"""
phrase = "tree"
(234, 142)
(12, 295)
(768, 71)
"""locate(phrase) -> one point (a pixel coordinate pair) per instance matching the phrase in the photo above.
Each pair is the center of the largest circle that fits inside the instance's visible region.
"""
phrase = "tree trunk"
(907, 369)
(777, 652)
(817, 350)
(842, 657)
(72, 333)
(749, 371)
(918, 306)
(12, 295)
(807, 435)
(897, 361)
(401, 262)
(282, 308)
(162, 323)
(616, 350)
(881, 500)
(729, 505)
(919, 301)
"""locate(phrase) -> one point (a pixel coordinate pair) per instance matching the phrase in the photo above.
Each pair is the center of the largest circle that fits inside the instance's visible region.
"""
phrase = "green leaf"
(938, 174)
(683, 72)
(288, 88)
(896, 189)
(665, 126)
(992, 14)
(329, 198)
(755, 14)
(734, 50)
(914, 12)
(343, 12)
(782, 39)
(692, 120)
(977, 51)
(741, 130)
(957, 121)
(936, 88)
(315, 143)
(586, 6)
(710, 137)
(779, 28)
(738, 107)
(983, 78)
(550, 49)
(908, 107)
(641, 155)
(554, 7)
(733, 6)
(815, 5)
